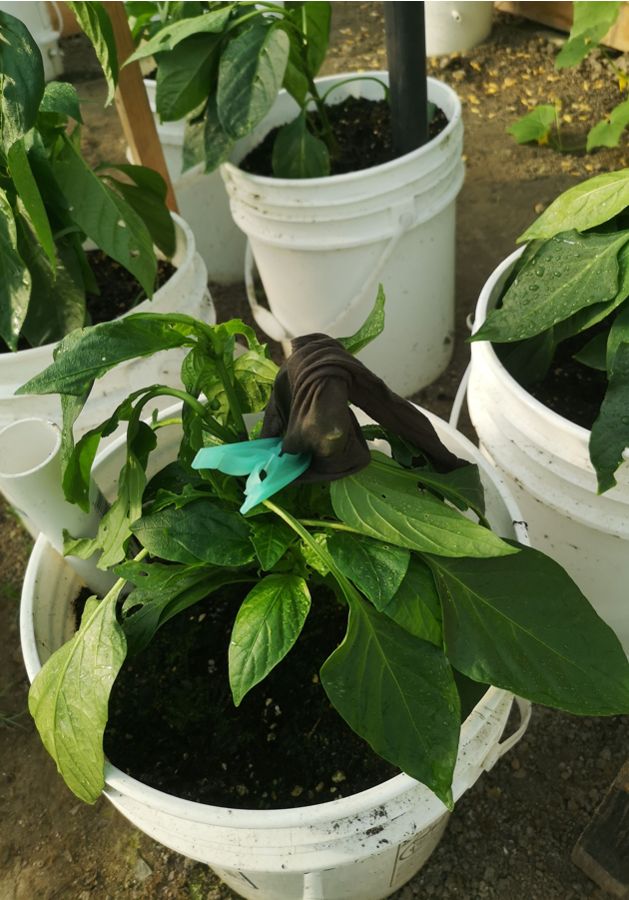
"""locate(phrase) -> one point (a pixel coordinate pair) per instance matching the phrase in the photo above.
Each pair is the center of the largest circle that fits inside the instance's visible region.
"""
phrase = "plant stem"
(349, 591)
(232, 399)
(334, 526)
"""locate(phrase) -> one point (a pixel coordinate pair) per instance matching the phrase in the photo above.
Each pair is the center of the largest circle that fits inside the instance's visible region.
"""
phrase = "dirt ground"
(511, 836)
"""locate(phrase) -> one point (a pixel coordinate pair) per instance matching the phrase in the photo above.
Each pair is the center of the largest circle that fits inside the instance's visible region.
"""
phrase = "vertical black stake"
(406, 55)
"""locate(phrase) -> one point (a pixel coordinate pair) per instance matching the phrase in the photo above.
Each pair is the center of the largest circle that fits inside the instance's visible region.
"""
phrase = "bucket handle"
(498, 750)
(274, 328)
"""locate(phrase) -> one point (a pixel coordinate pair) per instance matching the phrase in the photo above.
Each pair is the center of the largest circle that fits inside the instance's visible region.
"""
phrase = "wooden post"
(602, 851)
(133, 105)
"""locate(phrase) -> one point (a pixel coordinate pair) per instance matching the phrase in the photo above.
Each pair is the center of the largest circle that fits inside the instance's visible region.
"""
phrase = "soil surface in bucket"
(118, 293)
(119, 290)
(570, 388)
(363, 132)
(173, 724)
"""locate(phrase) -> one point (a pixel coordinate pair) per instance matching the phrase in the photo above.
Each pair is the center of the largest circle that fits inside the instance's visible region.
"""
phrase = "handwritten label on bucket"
(414, 852)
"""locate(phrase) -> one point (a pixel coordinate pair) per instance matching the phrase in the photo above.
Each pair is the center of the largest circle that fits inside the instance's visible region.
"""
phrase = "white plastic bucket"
(545, 461)
(361, 847)
(185, 292)
(203, 202)
(322, 245)
(36, 15)
(452, 27)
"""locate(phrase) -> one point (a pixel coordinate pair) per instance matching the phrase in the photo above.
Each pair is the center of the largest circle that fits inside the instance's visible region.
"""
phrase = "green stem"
(334, 526)
(349, 591)
(338, 84)
(232, 399)
(212, 425)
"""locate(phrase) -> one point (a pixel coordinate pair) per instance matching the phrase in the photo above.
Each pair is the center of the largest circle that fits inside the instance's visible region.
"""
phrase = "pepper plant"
(572, 281)
(438, 605)
(51, 201)
(221, 65)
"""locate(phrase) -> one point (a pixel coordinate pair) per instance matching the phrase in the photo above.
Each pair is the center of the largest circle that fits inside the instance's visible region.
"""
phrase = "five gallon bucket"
(323, 245)
(361, 847)
(545, 461)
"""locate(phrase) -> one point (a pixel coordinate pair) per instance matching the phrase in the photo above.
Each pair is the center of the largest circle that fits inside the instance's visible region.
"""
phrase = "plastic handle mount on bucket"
(274, 328)
(499, 749)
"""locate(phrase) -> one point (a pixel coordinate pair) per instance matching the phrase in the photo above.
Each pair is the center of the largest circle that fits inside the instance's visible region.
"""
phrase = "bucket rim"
(230, 167)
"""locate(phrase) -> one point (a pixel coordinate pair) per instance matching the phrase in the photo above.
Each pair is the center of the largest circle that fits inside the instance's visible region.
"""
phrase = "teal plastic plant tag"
(268, 467)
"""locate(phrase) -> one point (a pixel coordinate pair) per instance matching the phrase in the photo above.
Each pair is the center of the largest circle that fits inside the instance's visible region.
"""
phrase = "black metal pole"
(406, 55)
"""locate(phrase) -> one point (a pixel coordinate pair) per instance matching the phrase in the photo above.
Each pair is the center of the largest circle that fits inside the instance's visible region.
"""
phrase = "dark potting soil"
(363, 131)
(173, 724)
(571, 389)
(119, 290)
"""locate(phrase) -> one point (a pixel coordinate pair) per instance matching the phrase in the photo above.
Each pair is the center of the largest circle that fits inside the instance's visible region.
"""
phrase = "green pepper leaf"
(22, 74)
(207, 533)
(15, 284)
(398, 693)
(383, 504)
(299, 154)
(250, 75)
(271, 538)
(523, 625)
(371, 328)
(610, 432)
(375, 568)
(268, 623)
(183, 76)
(73, 687)
(94, 20)
(584, 206)
(170, 36)
(570, 272)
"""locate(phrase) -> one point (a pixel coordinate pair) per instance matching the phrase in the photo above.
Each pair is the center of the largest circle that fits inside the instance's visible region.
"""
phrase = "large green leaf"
(570, 272)
(271, 538)
(93, 19)
(299, 154)
(87, 354)
(184, 75)
(376, 569)
(383, 504)
(607, 133)
(21, 80)
(610, 432)
(69, 698)
(584, 206)
(104, 217)
(267, 625)
(591, 22)
(204, 533)
(314, 20)
(217, 144)
(416, 606)
(371, 328)
(26, 186)
(462, 486)
(146, 195)
(250, 75)
(523, 625)
(163, 591)
(57, 304)
(15, 279)
(169, 37)
(397, 692)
